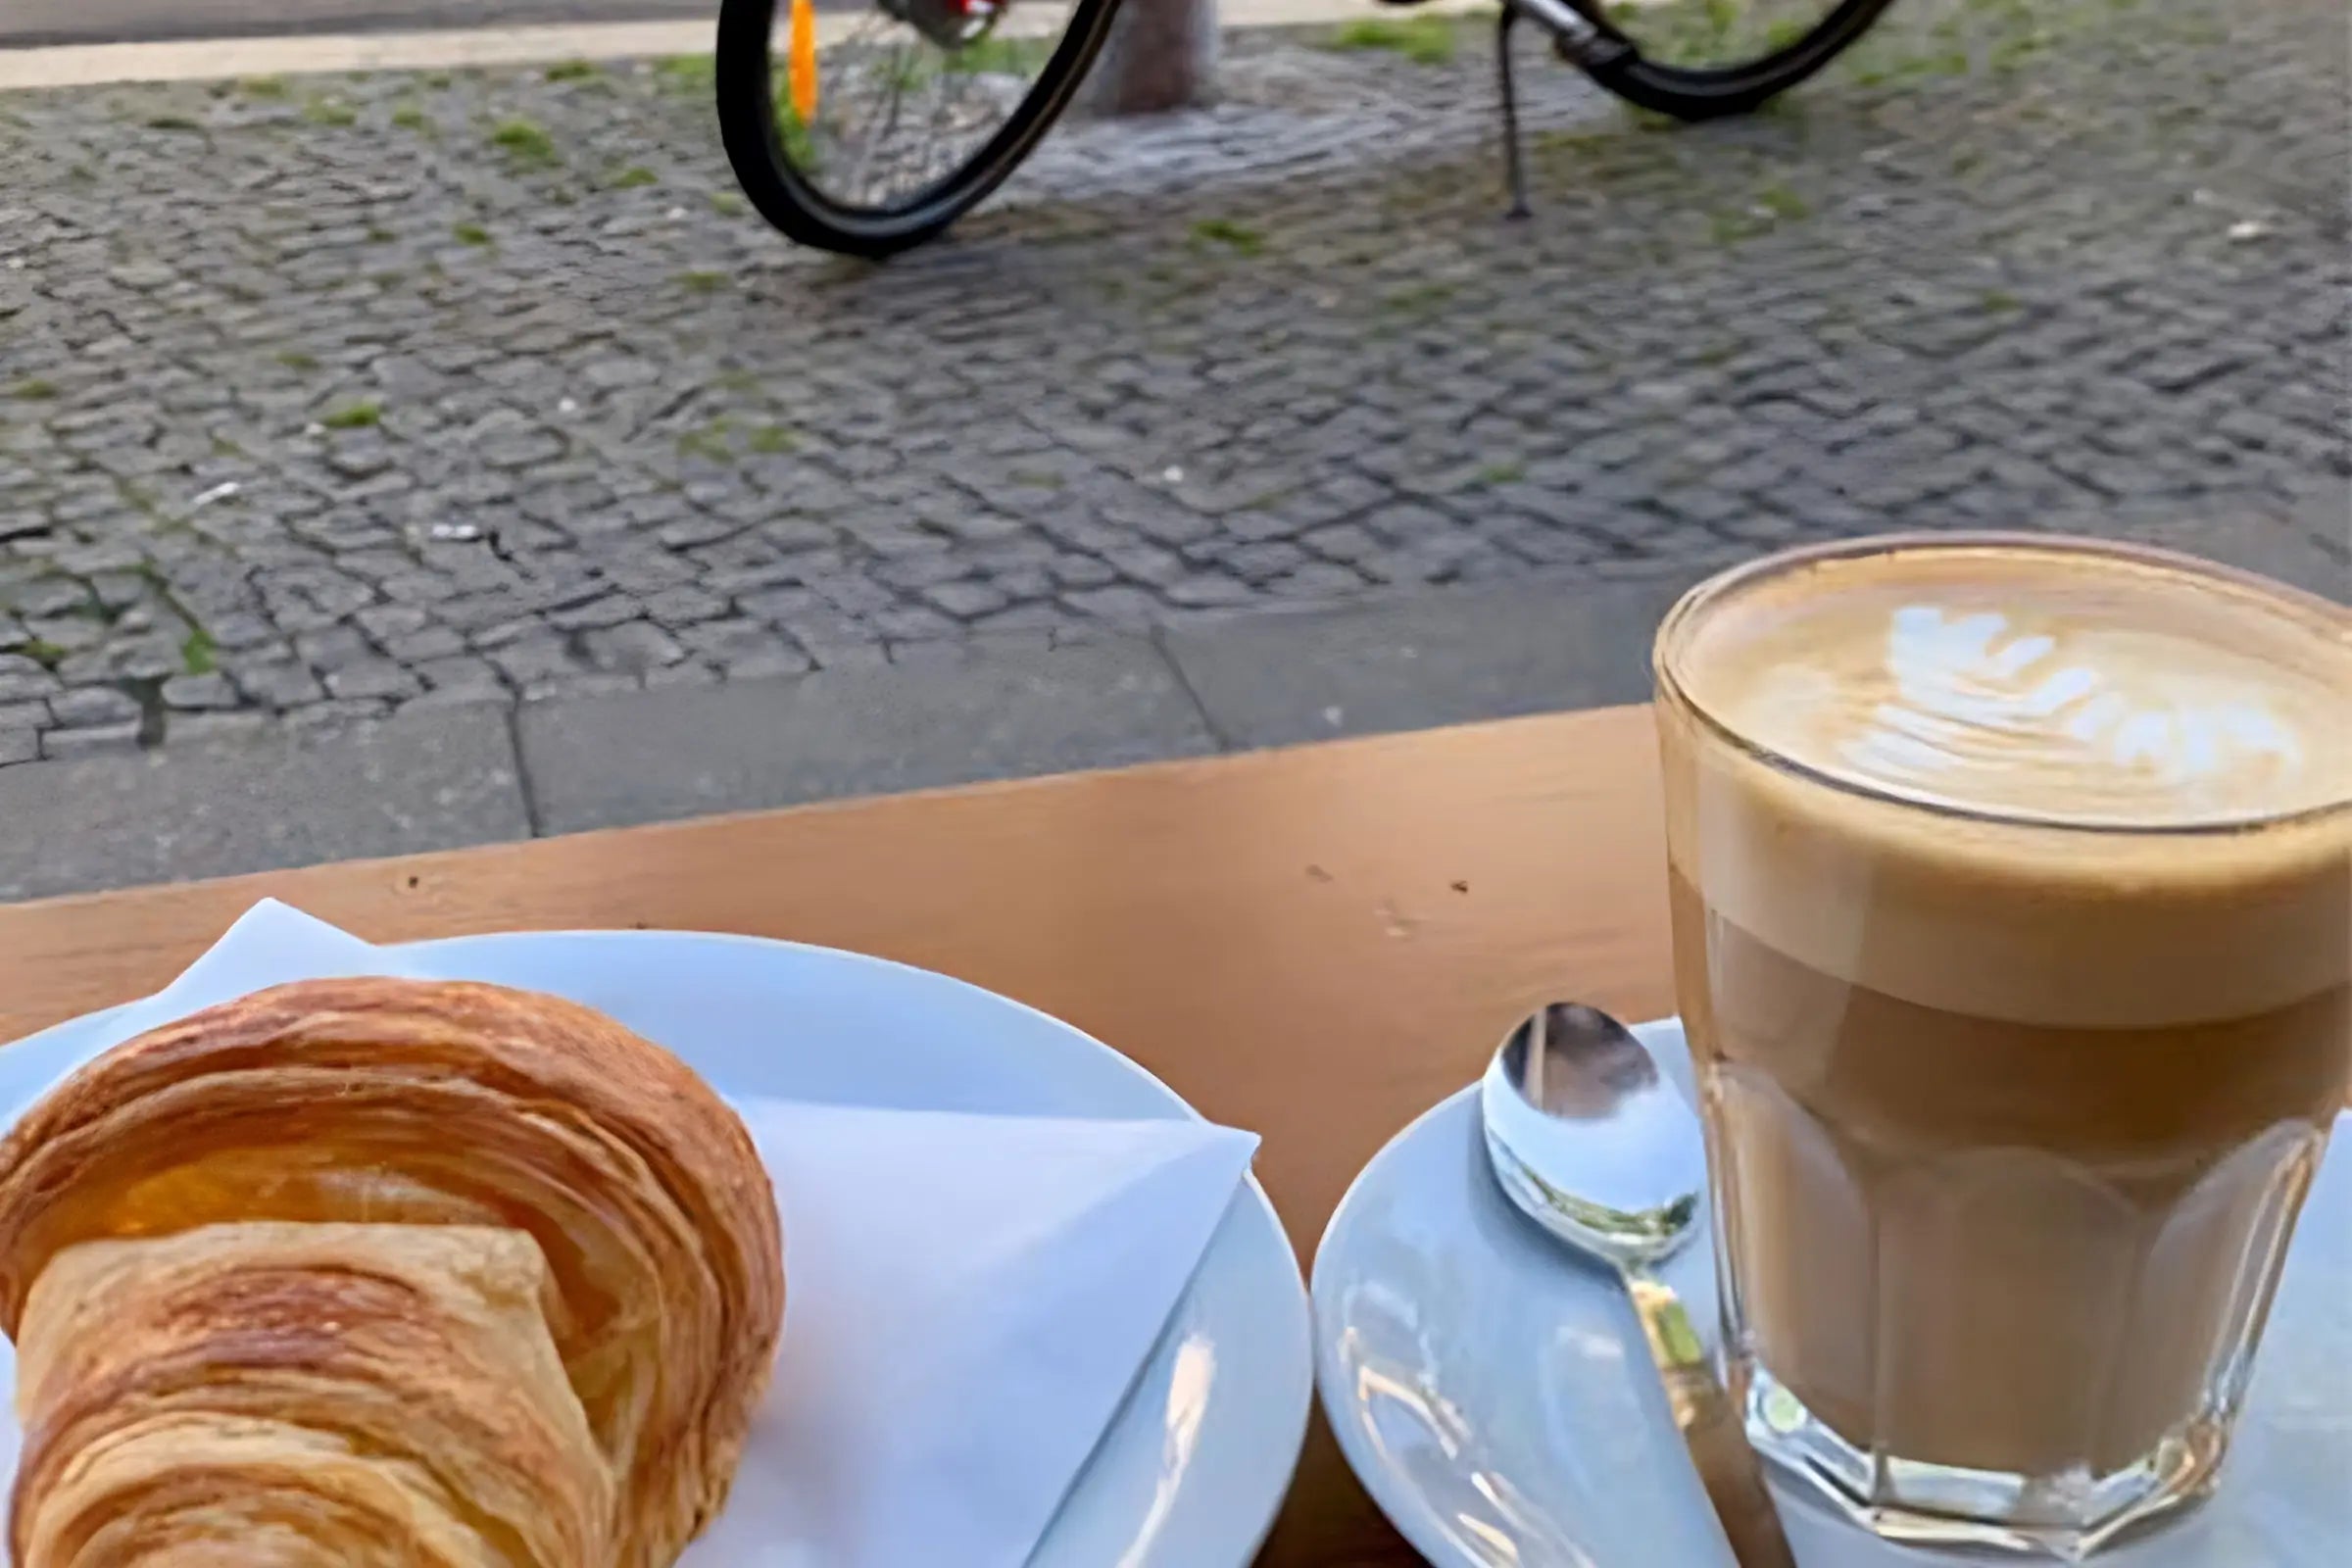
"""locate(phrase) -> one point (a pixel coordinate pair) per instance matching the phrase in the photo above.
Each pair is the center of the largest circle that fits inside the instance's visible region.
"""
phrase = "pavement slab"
(983, 711)
(1428, 658)
(259, 797)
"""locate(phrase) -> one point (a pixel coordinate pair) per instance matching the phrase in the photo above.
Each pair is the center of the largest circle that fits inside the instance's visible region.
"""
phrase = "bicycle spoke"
(907, 96)
(942, 110)
(895, 79)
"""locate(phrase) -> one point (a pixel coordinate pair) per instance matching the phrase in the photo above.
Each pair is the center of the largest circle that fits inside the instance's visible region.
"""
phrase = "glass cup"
(2011, 882)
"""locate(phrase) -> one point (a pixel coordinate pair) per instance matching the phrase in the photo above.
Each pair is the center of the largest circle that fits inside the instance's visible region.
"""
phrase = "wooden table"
(1316, 943)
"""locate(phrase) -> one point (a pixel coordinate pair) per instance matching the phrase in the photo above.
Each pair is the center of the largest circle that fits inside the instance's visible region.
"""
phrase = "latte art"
(1954, 679)
(1972, 695)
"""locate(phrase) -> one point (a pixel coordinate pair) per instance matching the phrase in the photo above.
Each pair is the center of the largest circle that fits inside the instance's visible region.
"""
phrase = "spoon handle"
(1728, 1466)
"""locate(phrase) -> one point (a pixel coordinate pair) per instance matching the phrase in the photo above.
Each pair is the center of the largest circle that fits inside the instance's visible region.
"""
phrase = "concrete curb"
(220, 59)
(270, 794)
(286, 794)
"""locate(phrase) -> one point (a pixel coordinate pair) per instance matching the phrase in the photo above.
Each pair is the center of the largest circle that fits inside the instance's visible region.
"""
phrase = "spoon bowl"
(1590, 1140)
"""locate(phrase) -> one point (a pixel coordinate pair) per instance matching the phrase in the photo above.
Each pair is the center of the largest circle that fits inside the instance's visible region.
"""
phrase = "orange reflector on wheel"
(803, 57)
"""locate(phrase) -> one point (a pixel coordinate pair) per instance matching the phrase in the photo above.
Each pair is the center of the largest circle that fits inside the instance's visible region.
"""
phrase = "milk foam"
(2043, 684)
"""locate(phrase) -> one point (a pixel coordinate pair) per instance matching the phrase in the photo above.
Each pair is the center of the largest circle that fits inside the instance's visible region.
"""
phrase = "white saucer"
(1194, 1465)
(1495, 1397)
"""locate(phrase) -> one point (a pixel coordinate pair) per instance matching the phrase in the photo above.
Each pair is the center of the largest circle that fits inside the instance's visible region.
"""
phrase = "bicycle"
(946, 97)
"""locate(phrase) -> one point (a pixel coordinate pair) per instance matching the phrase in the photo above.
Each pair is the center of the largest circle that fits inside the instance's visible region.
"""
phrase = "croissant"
(373, 1271)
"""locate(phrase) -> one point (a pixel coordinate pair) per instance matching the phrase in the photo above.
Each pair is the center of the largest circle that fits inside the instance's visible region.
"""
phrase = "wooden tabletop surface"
(1314, 944)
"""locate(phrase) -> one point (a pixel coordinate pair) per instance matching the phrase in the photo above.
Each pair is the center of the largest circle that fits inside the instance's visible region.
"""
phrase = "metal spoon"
(1593, 1145)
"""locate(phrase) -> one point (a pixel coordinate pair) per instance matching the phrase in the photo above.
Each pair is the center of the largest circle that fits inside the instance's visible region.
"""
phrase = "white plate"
(1196, 1464)
(1495, 1397)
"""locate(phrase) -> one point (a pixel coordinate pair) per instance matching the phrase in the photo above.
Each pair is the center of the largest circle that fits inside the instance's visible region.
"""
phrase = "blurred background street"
(476, 401)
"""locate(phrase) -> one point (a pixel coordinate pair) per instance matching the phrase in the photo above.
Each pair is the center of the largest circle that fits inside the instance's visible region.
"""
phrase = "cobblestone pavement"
(329, 396)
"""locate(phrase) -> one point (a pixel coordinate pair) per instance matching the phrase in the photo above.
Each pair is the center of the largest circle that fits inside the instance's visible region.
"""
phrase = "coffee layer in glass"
(2012, 893)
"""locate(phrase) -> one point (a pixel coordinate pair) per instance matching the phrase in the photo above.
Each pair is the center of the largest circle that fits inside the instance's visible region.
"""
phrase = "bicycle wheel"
(1696, 59)
(869, 125)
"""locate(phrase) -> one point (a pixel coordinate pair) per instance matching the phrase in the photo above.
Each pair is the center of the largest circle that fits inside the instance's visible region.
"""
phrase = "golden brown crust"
(369, 1386)
(386, 1102)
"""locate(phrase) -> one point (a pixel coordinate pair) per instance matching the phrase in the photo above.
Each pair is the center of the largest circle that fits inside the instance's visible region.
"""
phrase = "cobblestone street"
(327, 396)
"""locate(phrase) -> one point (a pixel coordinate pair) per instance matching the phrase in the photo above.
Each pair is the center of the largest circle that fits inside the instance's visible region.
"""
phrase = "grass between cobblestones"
(1424, 40)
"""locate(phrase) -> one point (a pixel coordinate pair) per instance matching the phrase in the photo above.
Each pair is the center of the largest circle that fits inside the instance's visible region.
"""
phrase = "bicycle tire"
(1708, 92)
(795, 206)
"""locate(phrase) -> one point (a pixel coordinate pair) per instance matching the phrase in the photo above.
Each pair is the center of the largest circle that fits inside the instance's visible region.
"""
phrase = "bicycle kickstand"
(1514, 173)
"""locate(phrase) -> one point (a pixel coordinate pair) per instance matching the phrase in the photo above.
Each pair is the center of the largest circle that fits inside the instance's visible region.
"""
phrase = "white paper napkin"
(969, 1297)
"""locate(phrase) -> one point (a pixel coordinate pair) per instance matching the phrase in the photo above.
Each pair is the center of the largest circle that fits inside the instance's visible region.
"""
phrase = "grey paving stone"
(386, 623)
(70, 633)
(371, 678)
(1432, 658)
(633, 647)
(967, 599)
(537, 657)
(606, 610)
(648, 756)
(50, 596)
(460, 675)
(91, 706)
(423, 647)
(23, 680)
(276, 683)
(199, 692)
(273, 799)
